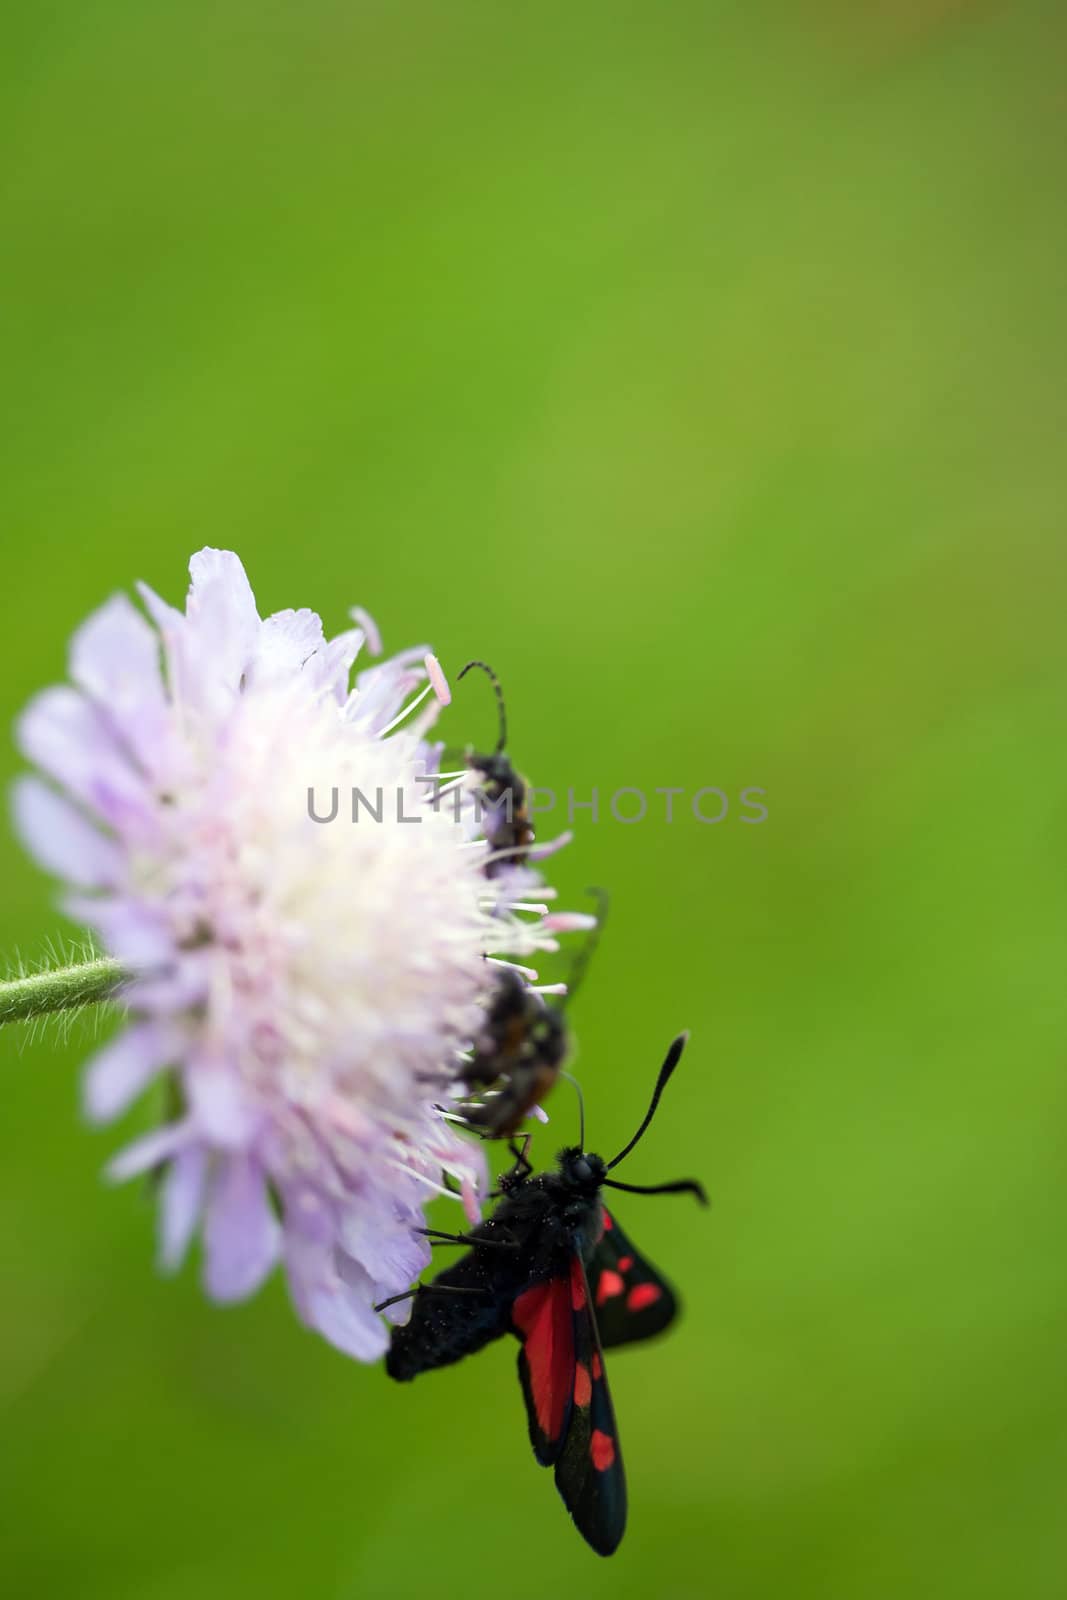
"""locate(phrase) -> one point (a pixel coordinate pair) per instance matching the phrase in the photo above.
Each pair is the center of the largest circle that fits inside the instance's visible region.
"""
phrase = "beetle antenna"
(484, 666)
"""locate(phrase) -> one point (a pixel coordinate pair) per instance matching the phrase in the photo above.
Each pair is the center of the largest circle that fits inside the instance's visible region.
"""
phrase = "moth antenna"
(682, 1186)
(501, 743)
(674, 1055)
(581, 1107)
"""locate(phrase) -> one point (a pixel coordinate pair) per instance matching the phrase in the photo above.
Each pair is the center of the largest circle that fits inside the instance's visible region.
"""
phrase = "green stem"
(60, 989)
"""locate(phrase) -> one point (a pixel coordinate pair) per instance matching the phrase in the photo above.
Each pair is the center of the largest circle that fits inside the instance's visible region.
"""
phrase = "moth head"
(582, 1170)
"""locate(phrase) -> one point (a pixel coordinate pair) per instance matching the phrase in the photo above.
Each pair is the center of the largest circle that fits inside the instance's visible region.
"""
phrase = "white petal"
(288, 642)
(222, 630)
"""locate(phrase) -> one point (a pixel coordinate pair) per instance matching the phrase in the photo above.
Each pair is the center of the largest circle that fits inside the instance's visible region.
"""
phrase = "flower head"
(308, 986)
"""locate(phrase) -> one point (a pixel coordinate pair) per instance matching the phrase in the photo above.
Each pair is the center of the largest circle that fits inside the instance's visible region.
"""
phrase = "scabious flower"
(307, 986)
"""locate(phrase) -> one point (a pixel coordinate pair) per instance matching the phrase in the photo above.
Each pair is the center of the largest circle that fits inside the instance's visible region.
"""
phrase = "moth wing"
(542, 1318)
(589, 1470)
(631, 1299)
(459, 1312)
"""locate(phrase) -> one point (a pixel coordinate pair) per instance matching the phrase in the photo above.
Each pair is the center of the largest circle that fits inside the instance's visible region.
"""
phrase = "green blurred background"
(701, 366)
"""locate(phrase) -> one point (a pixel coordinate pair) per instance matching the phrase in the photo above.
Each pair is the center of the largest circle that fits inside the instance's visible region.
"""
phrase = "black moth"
(553, 1267)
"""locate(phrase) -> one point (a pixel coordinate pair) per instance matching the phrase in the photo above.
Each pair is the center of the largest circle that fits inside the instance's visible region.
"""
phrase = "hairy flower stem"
(60, 989)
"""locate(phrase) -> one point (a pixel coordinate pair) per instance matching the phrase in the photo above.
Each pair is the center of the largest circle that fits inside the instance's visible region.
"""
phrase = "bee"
(519, 1052)
(502, 791)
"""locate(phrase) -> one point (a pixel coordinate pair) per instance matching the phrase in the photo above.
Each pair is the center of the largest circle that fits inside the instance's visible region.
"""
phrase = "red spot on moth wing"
(602, 1450)
(598, 1365)
(642, 1295)
(577, 1285)
(583, 1386)
(608, 1224)
(610, 1285)
(625, 1263)
(543, 1314)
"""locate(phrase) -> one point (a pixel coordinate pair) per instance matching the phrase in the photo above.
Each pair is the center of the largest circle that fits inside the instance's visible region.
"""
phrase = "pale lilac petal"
(310, 1218)
(115, 658)
(172, 627)
(289, 642)
(59, 731)
(219, 1105)
(61, 839)
(222, 629)
(242, 1237)
(345, 1318)
(134, 934)
(372, 1291)
(168, 993)
(148, 1152)
(68, 738)
(116, 1075)
(415, 655)
(399, 1313)
(167, 618)
(379, 694)
(389, 1252)
(369, 627)
(181, 1200)
(339, 655)
(341, 1311)
(428, 759)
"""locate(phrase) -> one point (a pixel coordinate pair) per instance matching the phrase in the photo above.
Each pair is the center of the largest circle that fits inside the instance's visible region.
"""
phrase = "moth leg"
(520, 1154)
(395, 1299)
(435, 1236)
(426, 1288)
(522, 1168)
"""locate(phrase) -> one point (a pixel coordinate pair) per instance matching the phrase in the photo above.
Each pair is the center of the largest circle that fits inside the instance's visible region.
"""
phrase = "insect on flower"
(299, 985)
(516, 1059)
(502, 792)
(552, 1266)
(519, 1052)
